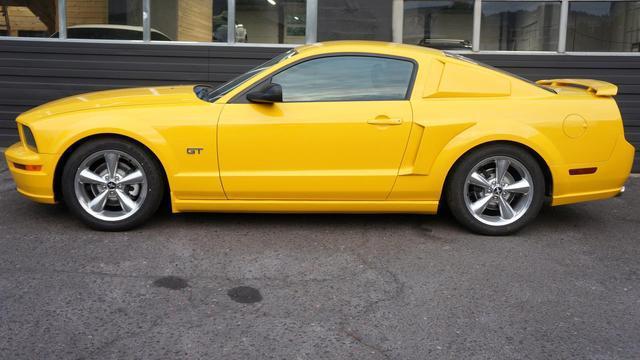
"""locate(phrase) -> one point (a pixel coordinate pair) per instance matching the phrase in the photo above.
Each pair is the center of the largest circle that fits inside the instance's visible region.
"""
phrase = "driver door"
(339, 133)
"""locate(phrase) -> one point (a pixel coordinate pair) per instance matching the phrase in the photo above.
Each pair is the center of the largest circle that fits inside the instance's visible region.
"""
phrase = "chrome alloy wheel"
(110, 185)
(498, 191)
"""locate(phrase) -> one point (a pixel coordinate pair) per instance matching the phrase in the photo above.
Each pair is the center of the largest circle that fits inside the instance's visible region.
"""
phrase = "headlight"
(28, 139)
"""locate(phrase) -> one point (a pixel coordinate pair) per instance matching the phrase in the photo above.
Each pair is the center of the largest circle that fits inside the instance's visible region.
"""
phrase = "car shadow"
(550, 219)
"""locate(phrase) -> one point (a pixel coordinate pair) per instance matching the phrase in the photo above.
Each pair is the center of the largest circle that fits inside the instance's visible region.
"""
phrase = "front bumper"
(35, 185)
(607, 182)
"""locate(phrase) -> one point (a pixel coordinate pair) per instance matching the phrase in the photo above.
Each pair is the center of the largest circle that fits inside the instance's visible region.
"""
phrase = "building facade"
(55, 48)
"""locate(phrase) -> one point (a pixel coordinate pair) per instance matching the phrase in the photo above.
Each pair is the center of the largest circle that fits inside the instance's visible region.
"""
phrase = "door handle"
(385, 121)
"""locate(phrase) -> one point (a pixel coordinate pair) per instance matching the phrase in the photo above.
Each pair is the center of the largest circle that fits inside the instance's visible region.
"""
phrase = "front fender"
(60, 133)
(166, 131)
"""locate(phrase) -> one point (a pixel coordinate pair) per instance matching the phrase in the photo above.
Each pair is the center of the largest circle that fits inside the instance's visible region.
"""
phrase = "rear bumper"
(35, 185)
(608, 180)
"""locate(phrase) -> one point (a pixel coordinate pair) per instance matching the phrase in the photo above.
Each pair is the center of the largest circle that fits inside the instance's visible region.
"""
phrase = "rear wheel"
(112, 184)
(496, 190)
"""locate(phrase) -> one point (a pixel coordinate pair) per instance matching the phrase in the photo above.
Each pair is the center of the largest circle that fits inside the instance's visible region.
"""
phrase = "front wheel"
(496, 190)
(112, 184)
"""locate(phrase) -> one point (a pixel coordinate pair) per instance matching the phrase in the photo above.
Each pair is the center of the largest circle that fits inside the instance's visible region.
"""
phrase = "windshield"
(209, 94)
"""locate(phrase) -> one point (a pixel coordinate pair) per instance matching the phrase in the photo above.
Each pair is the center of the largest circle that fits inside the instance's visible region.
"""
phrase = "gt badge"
(194, 151)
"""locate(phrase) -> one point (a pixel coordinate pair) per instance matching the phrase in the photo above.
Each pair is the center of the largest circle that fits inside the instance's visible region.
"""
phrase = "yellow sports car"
(349, 126)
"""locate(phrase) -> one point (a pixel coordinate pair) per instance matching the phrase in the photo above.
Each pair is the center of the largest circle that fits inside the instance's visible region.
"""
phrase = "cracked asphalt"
(331, 286)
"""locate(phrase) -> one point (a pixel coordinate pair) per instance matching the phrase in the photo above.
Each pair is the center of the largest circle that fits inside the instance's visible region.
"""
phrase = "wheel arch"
(544, 166)
(57, 177)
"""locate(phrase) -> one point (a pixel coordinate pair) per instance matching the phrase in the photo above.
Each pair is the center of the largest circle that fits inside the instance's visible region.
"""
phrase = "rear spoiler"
(596, 87)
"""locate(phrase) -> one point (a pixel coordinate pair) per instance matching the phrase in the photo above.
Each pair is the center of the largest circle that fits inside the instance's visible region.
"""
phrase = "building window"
(446, 25)
(104, 19)
(220, 23)
(604, 26)
(503, 25)
(520, 25)
(354, 19)
(271, 21)
(189, 20)
(28, 18)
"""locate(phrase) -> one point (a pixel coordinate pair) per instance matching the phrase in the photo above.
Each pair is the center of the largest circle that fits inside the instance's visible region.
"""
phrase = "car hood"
(112, 98)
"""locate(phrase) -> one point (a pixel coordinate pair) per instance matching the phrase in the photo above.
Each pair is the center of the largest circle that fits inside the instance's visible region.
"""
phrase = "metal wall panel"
(34, 72)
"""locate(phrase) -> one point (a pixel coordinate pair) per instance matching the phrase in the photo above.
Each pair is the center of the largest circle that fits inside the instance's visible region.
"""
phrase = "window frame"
(397, 19)
(241, 97)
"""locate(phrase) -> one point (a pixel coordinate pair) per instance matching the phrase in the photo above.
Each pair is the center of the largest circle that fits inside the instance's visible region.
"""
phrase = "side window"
(346, 78)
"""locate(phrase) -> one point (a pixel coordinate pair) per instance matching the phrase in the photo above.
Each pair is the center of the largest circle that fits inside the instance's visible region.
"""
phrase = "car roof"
(375, 47)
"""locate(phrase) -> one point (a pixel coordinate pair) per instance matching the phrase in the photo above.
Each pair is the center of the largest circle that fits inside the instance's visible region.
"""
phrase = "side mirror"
(269, 94)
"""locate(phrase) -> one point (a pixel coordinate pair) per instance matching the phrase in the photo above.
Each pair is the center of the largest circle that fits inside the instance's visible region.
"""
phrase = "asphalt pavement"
(256, 286)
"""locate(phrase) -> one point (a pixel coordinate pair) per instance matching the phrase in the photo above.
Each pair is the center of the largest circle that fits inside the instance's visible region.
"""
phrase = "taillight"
(583, 171)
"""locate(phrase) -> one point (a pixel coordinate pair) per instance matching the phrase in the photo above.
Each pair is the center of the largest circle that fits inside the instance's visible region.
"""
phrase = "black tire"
(455, 188)
(150, 167)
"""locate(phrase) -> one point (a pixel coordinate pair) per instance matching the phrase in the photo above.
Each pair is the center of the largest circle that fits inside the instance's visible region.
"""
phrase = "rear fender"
(466, 141)
(412, 186)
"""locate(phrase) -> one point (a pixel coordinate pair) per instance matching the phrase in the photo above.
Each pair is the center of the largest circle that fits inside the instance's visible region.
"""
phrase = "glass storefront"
(271, 21)
(25, 19)
(354, 20)
(102, 19)
(604, 26)
(464, 25)
(189, 20)
(520, 25)
(256, 21)
(446, 24)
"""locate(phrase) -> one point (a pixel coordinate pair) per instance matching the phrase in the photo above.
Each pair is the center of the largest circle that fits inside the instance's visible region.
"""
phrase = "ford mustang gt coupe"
(347, 126)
